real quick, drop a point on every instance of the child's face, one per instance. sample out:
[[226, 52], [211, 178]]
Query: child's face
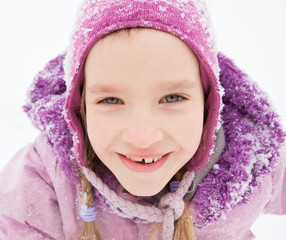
[[144, 99]]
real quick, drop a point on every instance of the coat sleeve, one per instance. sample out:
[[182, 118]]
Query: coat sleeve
[[28, 202], [277, 203]]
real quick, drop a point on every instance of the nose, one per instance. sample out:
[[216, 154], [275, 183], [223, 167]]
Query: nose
[[142, 131]]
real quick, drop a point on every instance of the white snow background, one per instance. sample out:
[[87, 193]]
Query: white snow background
[[252, 32]]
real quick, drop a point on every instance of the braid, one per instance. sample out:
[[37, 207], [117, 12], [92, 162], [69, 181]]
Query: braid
[[184, 228], [89, 230]]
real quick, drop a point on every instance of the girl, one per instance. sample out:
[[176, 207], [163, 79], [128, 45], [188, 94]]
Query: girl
[[144, 125]]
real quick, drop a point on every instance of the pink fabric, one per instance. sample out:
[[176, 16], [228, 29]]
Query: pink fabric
[[36, 202]]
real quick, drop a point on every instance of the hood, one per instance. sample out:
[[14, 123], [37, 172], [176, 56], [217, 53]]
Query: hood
[[186, 19]]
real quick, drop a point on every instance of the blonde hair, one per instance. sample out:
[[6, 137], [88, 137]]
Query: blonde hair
[[184, 229], [89, 230]]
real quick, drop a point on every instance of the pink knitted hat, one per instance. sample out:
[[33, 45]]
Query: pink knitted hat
[[186, 19]]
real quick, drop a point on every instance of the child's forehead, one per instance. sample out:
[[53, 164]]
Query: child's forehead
[[146, 60], [153, 44]]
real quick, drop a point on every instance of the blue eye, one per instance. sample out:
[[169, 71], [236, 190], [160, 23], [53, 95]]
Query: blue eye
[[110, 100], [173, 98]]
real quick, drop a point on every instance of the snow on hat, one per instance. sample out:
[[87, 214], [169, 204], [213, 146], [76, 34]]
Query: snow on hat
[[186, 19]]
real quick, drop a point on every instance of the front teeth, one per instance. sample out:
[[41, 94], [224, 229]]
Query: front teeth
[[146, 160]]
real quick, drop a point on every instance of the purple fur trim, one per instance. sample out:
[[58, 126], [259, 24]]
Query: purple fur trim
[[253, 137], [44, 107]]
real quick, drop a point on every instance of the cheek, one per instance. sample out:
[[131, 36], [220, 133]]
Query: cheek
[[99, 133], [188, 130]]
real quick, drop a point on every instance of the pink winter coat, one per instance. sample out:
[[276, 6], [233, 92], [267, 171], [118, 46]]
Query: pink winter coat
[[39, 201], [239, 165]]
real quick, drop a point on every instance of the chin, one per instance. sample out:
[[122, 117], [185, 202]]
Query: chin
[[144, 191]]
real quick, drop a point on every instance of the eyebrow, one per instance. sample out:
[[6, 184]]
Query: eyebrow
[[163, 86], [100, 88], [175, 85]]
